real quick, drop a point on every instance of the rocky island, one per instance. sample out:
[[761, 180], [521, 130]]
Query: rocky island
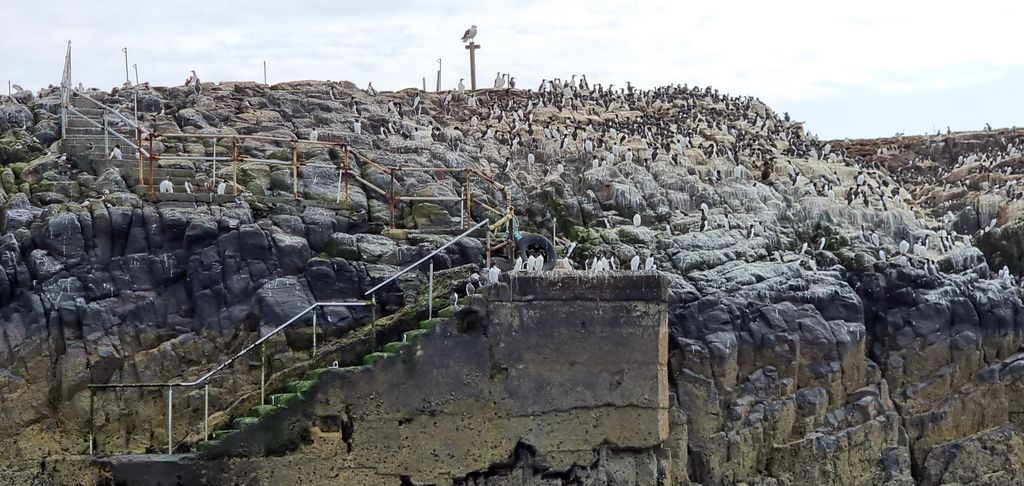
[[817, 312]]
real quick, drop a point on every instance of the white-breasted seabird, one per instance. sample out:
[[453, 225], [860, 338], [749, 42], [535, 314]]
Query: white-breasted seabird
[[492, 274], [470, 34], [453, 301], [636, 219], [904, 246], [649, 263], [634, 263], [314, 135]]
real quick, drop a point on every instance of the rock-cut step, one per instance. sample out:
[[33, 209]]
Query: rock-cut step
[[243, 422], [372, 358]]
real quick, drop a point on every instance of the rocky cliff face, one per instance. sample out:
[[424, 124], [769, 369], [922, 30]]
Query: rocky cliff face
[[808, 345]]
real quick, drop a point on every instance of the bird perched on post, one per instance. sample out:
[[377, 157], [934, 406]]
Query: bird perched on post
[[470, 34]]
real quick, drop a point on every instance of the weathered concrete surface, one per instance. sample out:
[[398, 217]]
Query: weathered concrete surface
[[555, 362]]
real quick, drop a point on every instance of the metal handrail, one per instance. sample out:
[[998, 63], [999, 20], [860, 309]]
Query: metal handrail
[[241, 353], [206, 377], [429, 255], [134, 125], [109, 130], [65, 86], [106, 108]]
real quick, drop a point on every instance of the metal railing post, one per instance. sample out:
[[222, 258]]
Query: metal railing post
[[393, 224], [152, 160], [263, 374], [469, 197], [214, 185], [92, 420], [314, 333], [106, 138], [234, 165], [138, 153], [295, 169], [430, 291], [206, 412], [345, 159], [170, 419]]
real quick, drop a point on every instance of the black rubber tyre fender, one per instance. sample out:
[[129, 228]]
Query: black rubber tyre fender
[[531, 242]]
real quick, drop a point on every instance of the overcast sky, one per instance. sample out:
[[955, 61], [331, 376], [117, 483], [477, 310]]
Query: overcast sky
[[849, 69]]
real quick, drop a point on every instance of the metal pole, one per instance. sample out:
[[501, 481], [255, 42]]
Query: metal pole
[[170, 419], [345, 159], [234, 166], [206, 412], [314, 333], [152, 156], [487, 263], [554, 230], [295, 169], [265, 73], [469, 198], [92, 420], [136, 68], [142, 169], [127, 79], [438, 90], [263, 374], [214, 186], [106, 138], [392, 171], [424, 83], [430, 291]]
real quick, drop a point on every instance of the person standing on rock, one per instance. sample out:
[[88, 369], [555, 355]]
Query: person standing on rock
[[116, 153]]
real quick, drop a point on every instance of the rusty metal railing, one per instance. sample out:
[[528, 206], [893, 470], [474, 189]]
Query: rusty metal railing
[[205, 378], [345, 173]]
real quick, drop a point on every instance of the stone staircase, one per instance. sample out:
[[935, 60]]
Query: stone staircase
[[87, 142], [226, 439]]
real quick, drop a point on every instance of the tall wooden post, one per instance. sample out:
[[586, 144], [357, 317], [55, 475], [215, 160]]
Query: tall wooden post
[[473, 46]]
